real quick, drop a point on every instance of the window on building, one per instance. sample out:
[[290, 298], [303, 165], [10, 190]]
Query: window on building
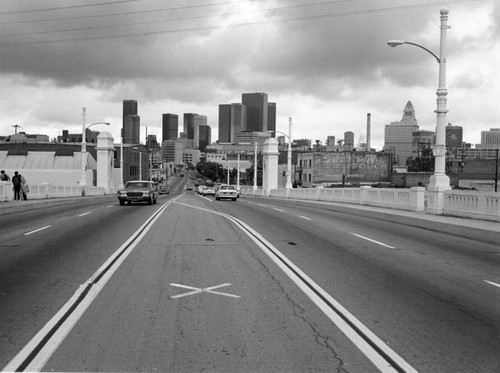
[[310, 165]]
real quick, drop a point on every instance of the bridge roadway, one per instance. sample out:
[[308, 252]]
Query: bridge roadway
[[198, 293]]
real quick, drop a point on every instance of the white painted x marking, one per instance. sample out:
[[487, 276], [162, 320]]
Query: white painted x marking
[[200, 290]]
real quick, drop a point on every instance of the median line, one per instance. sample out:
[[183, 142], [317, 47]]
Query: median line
[[85, 213]]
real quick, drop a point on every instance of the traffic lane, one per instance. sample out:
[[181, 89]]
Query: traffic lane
[[143, 319], [39, 272], [480, 259], [406, 298]]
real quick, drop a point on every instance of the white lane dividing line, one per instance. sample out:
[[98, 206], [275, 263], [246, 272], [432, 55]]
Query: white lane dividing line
[[37, 230], [261, 205], [280, 210], [492, 283], [304, 217], [369, 239], [85, 213]]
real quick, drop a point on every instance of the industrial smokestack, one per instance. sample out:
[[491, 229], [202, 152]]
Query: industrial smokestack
[[368, 131]]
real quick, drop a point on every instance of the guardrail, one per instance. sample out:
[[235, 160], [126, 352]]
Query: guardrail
[[469, 204], [45, 191]]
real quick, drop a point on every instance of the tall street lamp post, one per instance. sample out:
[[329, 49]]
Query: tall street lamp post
[[255, 167], [439, 181], [288, 184], [83, 181]]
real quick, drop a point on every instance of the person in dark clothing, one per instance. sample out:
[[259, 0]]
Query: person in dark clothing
[[4, 176], [16, 182]]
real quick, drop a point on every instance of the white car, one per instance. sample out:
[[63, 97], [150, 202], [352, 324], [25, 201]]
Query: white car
[[227, 192], [209, 191]]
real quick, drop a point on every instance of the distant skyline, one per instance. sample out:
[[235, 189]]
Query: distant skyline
[[326, 64]]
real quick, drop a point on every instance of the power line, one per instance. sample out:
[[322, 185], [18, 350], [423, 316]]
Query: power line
[[170, 20], [120, 13], [13, 12], [245, 24]]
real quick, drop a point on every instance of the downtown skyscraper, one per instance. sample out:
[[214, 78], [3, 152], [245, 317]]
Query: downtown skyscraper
[[170, 127], [131, 129], [253, 114]]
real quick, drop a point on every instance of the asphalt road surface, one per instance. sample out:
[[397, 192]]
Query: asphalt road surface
[[193, 284]]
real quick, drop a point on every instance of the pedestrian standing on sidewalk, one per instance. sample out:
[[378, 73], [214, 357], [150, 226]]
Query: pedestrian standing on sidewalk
[[4, 176], [24, 188], [16, 182]]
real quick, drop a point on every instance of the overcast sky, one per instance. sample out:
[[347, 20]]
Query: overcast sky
[[326, 64]]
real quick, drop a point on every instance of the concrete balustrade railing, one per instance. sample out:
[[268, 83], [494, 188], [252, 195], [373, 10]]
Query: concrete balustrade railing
[[469, 204], [44, 191], [472, 204], [404, 199]]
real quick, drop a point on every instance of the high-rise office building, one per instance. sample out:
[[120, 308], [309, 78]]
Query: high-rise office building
[[170, 127], [131, 126], [257, 111], [199, 120], [491, 137], [205, 137], [271, 117], [232, 120], [132, 129], [225, 123], [254, 114], [190, 121], [398, 137]]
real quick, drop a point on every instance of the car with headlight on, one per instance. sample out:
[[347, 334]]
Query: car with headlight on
[[138, 191], [226, 192]]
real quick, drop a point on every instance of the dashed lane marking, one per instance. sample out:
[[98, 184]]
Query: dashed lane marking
[[37, 230], [280, 210], [369, 239], [492, 283], [304, 217], [85, 213]]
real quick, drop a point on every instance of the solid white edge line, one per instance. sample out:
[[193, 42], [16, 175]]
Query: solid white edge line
[[38, 362], [280, 210], [369, 239], [304, 217], [492, 283], [37, 230], [85, 213], [375, 357]]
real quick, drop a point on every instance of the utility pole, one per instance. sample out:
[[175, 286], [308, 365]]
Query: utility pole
[[16, 126]]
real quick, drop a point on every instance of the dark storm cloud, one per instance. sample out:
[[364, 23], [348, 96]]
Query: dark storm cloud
[[330, 47]]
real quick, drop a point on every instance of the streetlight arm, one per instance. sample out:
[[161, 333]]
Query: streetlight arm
[[284, 134], [93, 124], [395, 43]]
